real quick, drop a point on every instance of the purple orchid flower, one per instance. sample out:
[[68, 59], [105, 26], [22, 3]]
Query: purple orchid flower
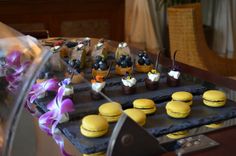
[[38, 90], [48, 122], [13, 61]]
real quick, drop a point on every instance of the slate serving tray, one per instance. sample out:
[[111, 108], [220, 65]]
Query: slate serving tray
[[85, 105], [157, 124]]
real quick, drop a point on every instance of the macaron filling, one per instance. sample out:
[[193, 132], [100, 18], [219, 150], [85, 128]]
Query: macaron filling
[[111, 118], [104, 130], [178, 113], [213, 100]]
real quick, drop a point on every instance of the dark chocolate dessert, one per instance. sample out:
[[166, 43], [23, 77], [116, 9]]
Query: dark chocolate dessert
[[173, 76], [98, 85], [128, 84], [152, 81]]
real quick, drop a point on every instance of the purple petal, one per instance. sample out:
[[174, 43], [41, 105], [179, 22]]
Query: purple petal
[[52, 105], [23, 67], [13, 59], [45, 121], [60, 93], [52, 85], [32, 98], [66, 106], [58, 137]]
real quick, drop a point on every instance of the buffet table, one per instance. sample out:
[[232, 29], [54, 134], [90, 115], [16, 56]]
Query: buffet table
[[193, 80]]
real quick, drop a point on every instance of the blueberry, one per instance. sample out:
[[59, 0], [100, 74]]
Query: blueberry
[[129, 63], [118, 62], [141, 61], [71, 63], [123, 64], [145, 54], [98, 58], [71, 44], [77, 62], [69, 71], [66, 59], [78, 70], [122, 57], [105, 61], [103, 66], [101, 62], [147, 61], [140, 55], [128, 58], [95, 66], [77, 65]]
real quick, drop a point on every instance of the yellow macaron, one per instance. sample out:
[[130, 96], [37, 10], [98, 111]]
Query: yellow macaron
[[94, 126], [146, 105], [214, 98], [137, 115], [215, 125], [183, 97], [178, 135], [96, 154], [111, 111], [177, 109]]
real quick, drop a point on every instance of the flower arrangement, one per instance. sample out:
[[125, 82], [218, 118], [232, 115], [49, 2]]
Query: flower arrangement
[[58, 113], [14, 69]]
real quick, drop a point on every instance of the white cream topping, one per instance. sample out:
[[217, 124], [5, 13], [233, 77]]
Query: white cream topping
[[64, 118], [97, 87], [174, 74], [129, 82], [154, 77], [69, 90]]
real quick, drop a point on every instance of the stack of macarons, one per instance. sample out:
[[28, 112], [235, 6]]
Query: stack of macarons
[[179, 106], [183, 96], [111, 111], [146, 105], [214, 98]]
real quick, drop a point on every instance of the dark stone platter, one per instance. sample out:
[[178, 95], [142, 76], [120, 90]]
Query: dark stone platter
[[157, 124]]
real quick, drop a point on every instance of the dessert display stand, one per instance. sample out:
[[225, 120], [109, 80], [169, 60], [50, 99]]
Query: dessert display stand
[[119, 136]]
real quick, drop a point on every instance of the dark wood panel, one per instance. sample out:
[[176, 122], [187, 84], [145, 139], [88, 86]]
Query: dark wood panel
[[52, 13]]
